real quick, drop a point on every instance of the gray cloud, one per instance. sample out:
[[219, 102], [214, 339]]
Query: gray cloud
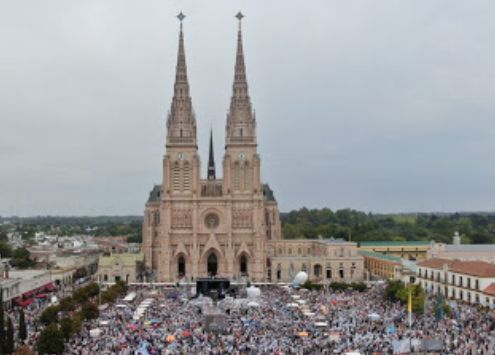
[[380, 106]]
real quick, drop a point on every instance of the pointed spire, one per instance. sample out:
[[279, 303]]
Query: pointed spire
[[240, 96], [240, 118], [181, 122], [211, 159]]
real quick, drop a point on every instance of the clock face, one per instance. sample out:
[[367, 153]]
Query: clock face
[[181, 156], [242, 156]]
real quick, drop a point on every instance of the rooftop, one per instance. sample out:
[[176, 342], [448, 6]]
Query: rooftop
[[380, 256], [490, 290], [394, 243], [473, 268], [471, 248], [126, 259]]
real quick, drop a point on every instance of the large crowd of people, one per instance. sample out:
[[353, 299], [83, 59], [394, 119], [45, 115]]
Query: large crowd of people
[[280, 321]]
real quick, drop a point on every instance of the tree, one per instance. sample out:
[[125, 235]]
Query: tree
[[67, 327], [49, 315], [21, 258], [89, 311], [22, 326], [51, 340], [5, 249], [9, 340]]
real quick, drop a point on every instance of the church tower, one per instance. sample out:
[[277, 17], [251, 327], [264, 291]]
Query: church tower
[[241, 165], [181, 161]]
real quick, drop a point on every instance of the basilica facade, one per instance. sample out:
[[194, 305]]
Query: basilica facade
[[226, 226]]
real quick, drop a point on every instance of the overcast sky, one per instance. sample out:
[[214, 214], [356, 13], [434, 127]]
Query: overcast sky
[[383, 106]]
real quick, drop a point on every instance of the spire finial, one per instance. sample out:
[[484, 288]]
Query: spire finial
[[181, 18], [239, 16]]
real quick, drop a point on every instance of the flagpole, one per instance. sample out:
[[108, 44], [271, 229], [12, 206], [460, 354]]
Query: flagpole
[[409, 307]]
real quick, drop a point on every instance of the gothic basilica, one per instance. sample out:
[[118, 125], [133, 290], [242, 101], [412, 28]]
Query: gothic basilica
[[227, 226]]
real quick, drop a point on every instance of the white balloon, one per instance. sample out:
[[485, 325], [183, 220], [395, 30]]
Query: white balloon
[[300, 278], [253, 292]]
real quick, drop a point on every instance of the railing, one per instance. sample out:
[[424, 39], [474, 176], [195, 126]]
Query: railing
[[211, 189], [242, 139], [180, 140]]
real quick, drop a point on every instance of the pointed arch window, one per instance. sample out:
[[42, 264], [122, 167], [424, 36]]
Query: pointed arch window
[[237, 176], [186, 177], [247, 177], [176, 176]]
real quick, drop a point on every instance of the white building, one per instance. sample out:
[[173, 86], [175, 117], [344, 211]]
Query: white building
[[469, 281]]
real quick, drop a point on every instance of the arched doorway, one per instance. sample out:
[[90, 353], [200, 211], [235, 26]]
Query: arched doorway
[[181, 266], [317, 270], [243, 265], [212, 264]]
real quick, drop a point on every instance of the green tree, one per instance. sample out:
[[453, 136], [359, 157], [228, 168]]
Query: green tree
[[22, 326], [67, 327], [5, 249], [89, 310], [49, 315], [9, 340], [51, 340]]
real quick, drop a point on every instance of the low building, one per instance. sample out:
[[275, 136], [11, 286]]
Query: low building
[[388, 267], [331, 260], [410, 250], [459, 251], [120, 267], [468, 281], [381, 266], [22, 285]]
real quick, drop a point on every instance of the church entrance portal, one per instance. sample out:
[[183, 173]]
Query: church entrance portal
[[212, 264]]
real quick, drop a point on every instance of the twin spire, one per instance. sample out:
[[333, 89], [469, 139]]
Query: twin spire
[[181, 122]]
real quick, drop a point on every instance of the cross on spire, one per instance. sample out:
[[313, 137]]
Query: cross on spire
[[239, 16]]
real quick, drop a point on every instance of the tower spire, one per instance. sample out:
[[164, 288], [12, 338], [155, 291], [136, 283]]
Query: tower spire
[[240, 119], [211, 160], [181, 122]]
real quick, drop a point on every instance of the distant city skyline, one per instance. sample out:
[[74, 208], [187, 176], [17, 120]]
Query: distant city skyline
[[381, 107]]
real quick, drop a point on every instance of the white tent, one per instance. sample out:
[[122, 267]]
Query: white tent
[[321, 324], [130, 297], [95, 332], [374, 316]]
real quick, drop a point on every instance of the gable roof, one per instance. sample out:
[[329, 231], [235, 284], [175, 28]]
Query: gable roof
[[490, 290]]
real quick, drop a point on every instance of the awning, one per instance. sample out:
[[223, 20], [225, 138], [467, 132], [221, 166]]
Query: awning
[[50, 287], [25, 303], [41, 295]]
